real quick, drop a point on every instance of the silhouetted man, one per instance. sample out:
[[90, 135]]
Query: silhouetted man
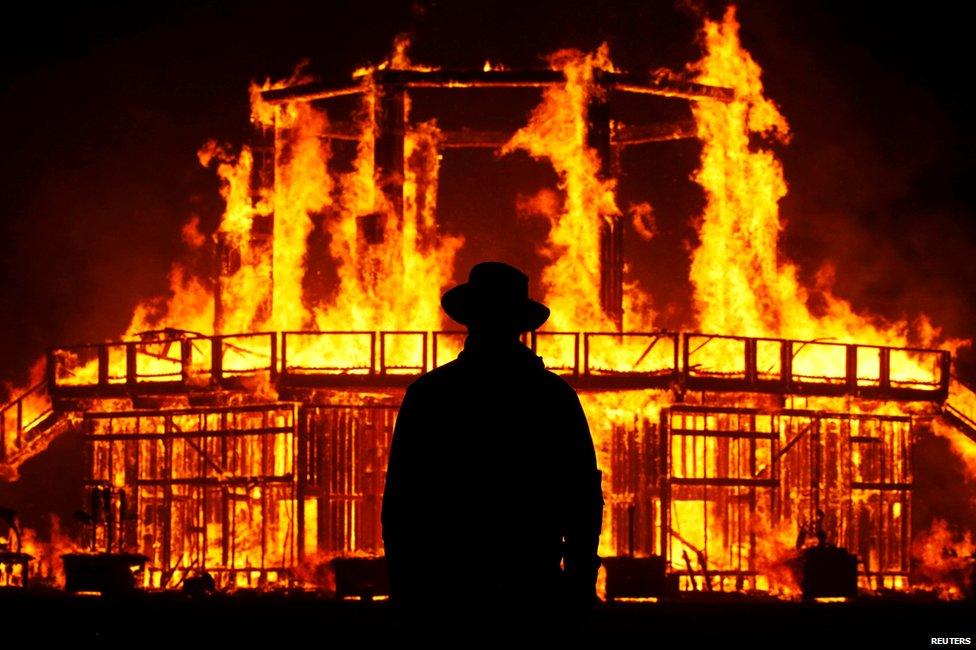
[[493, 504]]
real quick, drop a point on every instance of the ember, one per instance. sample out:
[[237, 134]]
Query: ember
[[242, 432]]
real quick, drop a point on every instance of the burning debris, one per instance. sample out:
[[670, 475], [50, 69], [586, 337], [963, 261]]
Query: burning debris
[[238, 436], [946, 560]]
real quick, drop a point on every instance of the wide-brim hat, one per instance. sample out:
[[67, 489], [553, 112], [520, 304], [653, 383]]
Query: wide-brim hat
[[495, 294]]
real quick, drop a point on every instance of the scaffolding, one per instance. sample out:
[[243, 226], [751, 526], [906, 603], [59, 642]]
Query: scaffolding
[[347, 450], [740, 484], [197, 490]]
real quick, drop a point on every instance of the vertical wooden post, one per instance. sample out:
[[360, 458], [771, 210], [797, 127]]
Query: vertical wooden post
[[686, 353], [885, 368], [103, 366], [586, 354], [576, 354], [131, 371], [676, 342], [216, 360], [390, 115], [786, 365], [598, 138], [423, 368], [167, 475], [612, 268], [274, 356], [752, 373], [851, 368], [186, 359], [301, 474], [284, 354], [664, 479]]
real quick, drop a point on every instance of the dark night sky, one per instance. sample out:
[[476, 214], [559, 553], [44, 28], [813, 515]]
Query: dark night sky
[[104, 111]]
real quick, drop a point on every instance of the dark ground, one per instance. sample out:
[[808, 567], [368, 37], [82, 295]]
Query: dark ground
[[312, 621]]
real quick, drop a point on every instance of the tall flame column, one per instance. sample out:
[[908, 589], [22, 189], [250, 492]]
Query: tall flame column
[[256, 249]]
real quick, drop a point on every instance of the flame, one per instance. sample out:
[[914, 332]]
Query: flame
[[46, 567], [303, 186], [246, 268], [740, 285], [777, 556], [741, 281]]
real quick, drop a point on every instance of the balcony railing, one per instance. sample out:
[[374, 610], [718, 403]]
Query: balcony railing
[[174, 364], [739, 363], [589, 360], [22, 420]]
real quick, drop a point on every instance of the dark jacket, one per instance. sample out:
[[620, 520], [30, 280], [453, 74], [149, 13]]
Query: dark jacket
[[492, 489]]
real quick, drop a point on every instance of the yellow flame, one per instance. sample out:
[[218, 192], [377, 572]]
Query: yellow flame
[[556, 132]]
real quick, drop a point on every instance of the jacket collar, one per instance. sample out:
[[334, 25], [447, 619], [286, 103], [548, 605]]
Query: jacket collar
[[493, 352]]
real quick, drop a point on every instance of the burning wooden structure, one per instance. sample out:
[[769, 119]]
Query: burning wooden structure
[[258, 451]]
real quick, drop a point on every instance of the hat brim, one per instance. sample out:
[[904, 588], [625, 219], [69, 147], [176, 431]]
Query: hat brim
[[462, 306]]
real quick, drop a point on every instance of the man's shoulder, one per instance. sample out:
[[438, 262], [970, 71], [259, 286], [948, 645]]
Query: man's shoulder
[[556, 383], [456, 374], [436, 378]]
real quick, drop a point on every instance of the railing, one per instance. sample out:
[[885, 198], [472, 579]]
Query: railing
[[19, 420], [959, 407], [559, 350], [591, 360], [738, 363], [243, 354], [403, 353], [328, 353], [309, 358], [175, 363], [968, 425], [610, 359], [446, 346], [630, 353]]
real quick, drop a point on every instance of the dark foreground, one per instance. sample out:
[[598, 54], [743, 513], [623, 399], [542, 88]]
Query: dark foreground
[[307, 620]]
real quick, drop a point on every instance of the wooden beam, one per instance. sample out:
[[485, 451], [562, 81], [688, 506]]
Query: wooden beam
[[309, 92], [623, 135], [470, 139], [637, 84], [623, 82], [626, 135], [340, 130], [470, 78]]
